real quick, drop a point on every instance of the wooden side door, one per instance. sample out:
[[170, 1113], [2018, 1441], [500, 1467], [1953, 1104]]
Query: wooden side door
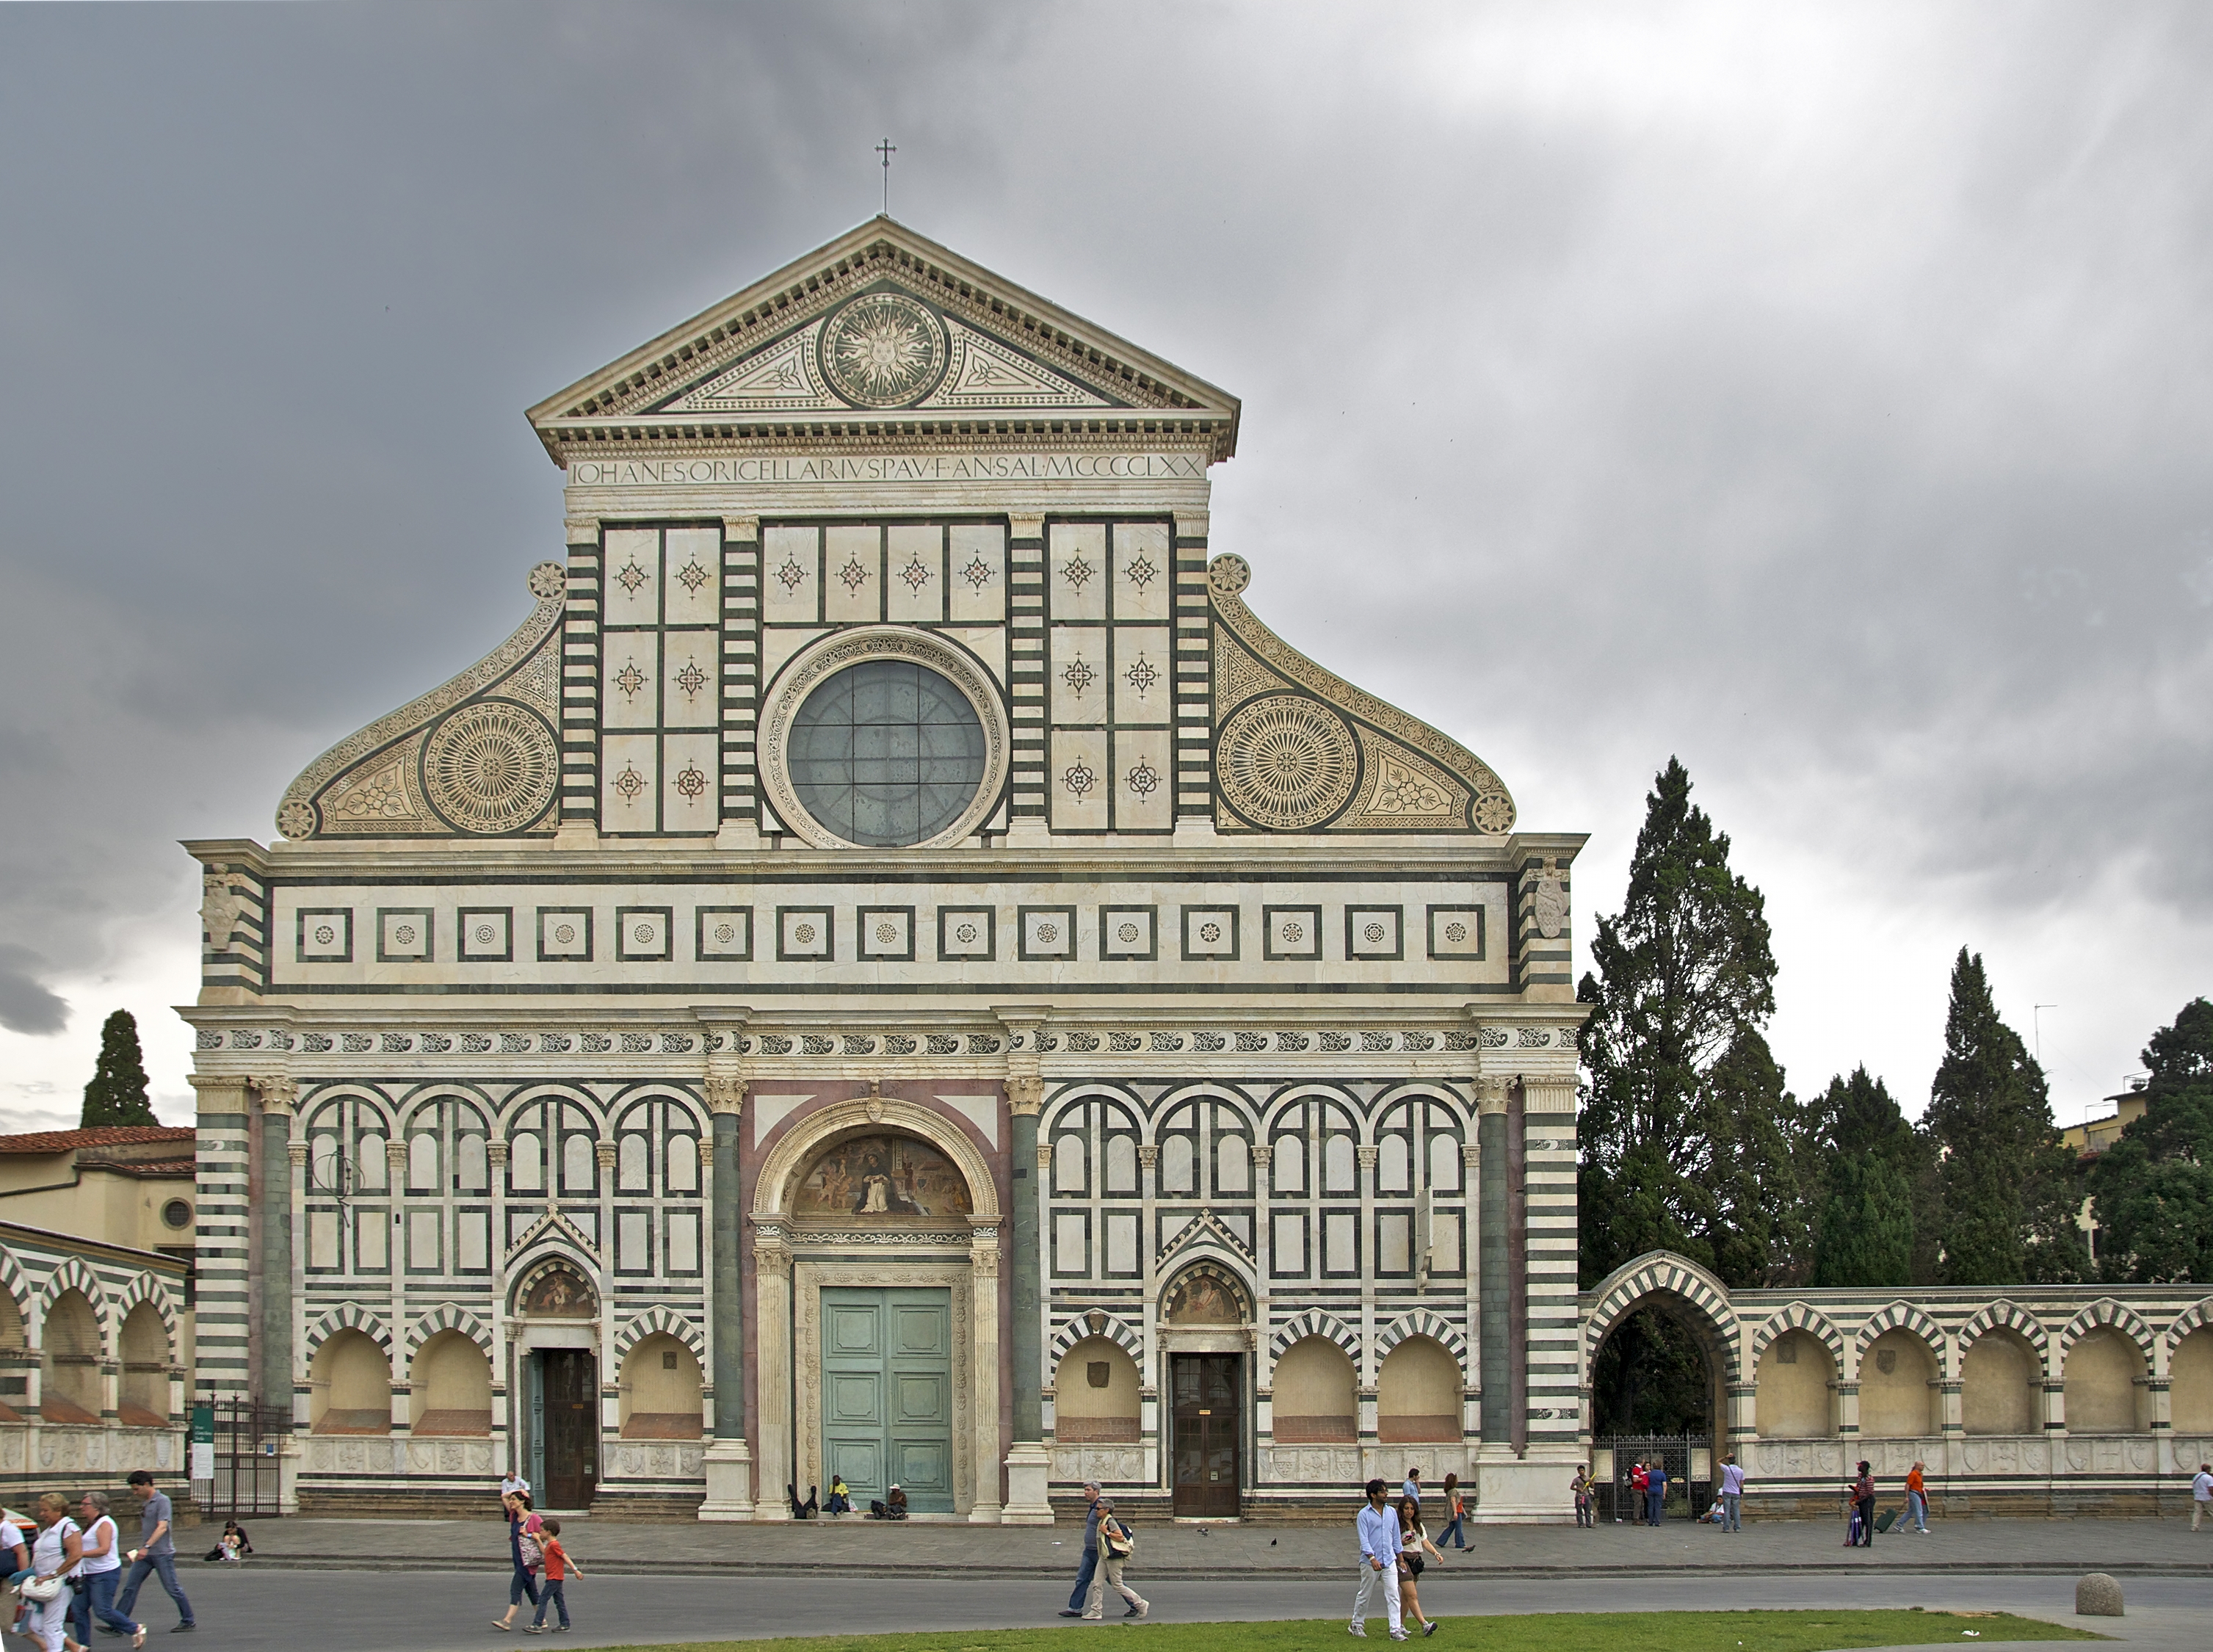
[[569, 1382], [853, 1405], [1207, 1416]]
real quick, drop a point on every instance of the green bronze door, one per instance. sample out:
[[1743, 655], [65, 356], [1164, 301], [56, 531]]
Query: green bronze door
[[888, 1395]]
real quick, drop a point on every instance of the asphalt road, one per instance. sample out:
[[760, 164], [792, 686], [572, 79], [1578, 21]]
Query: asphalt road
[[431, 1611]]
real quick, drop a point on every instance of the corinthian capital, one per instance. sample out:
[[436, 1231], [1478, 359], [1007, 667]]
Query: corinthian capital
[[726, 1094], [278, 1093]]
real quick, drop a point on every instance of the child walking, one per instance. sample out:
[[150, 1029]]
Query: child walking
[[559, 1565]]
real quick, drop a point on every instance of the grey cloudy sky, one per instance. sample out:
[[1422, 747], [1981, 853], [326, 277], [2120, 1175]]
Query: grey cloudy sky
[[1818, 393]]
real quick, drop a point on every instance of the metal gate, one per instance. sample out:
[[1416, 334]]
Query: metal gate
[[244, 1473], [1688, 1459]]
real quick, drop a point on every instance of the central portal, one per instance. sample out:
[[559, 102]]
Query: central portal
[[1208, 1419], [887, 1394]]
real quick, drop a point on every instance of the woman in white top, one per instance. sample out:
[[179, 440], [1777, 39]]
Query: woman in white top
[[59, 1547], [102, 1571]]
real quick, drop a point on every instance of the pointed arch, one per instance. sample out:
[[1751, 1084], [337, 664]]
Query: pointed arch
[[661, 1320], [448, 1316], [2007, 1315], [1314, 1323], [1662, 1274], [349, 1317], [2196, 1314], [145, 1288], [1077, 1328], [1422, 1323], [13, 1281], [2105, 1312], [74, 1275], [1799, 1316], [1902, 1316]]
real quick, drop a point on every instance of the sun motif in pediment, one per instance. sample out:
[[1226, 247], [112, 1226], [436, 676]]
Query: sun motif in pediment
[[884, 349]]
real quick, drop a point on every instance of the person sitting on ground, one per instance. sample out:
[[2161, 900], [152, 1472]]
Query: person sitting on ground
[[841, 1500], [1713, 1515], [895, 1504]]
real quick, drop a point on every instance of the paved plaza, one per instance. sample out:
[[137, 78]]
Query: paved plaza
[[865, 1548], [439, 1608]]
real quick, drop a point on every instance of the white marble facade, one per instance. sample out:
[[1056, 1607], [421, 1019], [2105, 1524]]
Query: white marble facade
[[1221, 998]]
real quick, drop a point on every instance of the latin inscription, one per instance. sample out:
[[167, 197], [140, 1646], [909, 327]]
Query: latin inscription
[[835, 469]]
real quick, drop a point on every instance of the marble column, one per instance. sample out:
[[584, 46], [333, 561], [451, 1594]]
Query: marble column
[[729, 1459], [1027, 1461], [274, 1381], [1490, 1260], [773, 1366], [984, 1357]]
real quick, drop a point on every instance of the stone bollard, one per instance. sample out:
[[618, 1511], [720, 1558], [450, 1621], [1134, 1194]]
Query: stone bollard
[[2097, 1596]]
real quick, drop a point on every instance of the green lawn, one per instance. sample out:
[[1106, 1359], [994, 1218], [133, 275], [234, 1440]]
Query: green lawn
[[1558, 1632]]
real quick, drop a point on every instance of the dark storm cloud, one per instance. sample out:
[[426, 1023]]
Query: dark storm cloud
[[1820, 393], [24, 1006]]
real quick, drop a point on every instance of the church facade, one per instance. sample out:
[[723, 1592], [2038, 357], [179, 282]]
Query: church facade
[[895, 971]]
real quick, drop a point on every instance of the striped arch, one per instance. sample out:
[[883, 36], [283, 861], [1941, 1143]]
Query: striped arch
[[1903, 1316], [1799, 1317], [2008, 1316], [145, 1288], [73, 1275], [1421, 1323], [448, 1316], [1204, 1090], [655, 1321], [1314, 1323], [1353, 1107], [351, 1317], [1075, 1095], [13, 1281], [1662, 1273], [2191, 1319], [2107, 1312], [1078, 1329]]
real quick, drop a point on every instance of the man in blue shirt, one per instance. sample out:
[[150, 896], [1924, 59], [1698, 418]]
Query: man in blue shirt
[[1379, 1562], [1081, 1592], [1655, 1491]]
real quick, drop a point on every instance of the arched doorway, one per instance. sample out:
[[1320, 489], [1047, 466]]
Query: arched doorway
[[1203, 1315], [558, 1367], [1660, 1355], [875, 1248]]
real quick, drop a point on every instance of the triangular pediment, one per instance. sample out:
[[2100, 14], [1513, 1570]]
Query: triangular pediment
[[882, 327]]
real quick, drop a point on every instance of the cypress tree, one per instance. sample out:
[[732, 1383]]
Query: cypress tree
[[2009, 1187], [116, 1093], [1863, 1234], [2153, 1188], [1690, 1139]]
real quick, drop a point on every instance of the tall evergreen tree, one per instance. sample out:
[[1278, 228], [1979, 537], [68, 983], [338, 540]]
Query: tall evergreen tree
[[1690, 1143], [1863, 1232], [2153, 1188], [2008, 1185], [116, 1093]]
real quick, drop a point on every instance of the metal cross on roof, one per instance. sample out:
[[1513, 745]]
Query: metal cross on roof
[[887, 148]]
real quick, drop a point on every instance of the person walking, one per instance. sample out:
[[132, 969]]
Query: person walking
[[559, 1565], [1116, 1545], [1579, 1488], [1655, 1491], [54, 1556], [1732, 1494], [524, 1548], [1456, 1515], [1379, 1563], [156, 1552], [2201, 1495], [1917, 1499], [1412, 1540], [100, 1570], [1089, 1567], [1863, 1503]]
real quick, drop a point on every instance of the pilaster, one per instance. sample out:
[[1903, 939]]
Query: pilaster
[[276, 1376], [580, 688], [222, 1262], [1026, 688], [741, 683], [729, 1456]]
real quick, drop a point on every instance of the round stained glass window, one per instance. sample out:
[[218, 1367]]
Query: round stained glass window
[[885, 753]]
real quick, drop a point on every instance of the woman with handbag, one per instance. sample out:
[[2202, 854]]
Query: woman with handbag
[[1412, 1540], [523, 1548], [54, 1558], [1116, 1545], [1455, 1530]]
